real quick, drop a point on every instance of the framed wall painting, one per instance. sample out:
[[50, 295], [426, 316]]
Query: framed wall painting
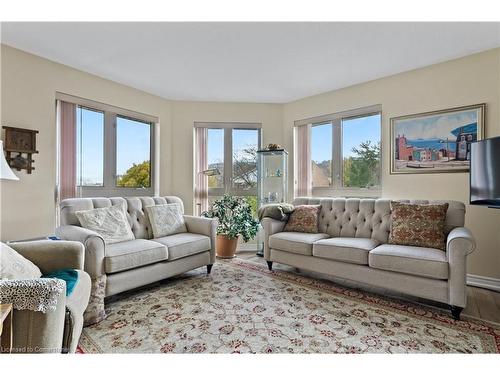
[[436, 142]]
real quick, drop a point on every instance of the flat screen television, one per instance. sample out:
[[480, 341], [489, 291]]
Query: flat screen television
[[485, 172]]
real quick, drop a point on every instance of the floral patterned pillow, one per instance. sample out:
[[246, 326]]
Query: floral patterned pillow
[[418, 225], [304, 218]]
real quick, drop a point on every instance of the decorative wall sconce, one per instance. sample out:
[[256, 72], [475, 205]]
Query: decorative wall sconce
[[19, 146]]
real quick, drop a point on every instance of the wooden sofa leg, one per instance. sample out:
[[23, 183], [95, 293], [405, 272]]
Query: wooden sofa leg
[[456, 311], [269, 265], [209, 268]]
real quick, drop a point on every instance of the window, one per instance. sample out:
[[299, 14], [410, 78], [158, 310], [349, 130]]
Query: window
[[89, 147], [345, 152], [321, 155], [361, 151], [133, 153], [233, 152], [215, 157], [114, 150], [245, 146]]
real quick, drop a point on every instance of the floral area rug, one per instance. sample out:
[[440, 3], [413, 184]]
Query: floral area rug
[[244, 308]]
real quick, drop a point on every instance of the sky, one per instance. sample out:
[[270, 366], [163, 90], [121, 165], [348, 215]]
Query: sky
[[90, 146], [436, 126], [354, 132], [133, 144], [215, 146]]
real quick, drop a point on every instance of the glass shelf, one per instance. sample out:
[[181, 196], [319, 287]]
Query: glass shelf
[[272, 181], [272, 176]]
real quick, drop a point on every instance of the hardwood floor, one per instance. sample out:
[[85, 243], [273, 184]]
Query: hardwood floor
[[481, 303]]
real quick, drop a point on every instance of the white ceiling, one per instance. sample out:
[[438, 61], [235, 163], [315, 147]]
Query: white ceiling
[[248, 62]]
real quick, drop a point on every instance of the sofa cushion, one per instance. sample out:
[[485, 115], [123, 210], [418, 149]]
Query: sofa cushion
[[109, 222], [126, 255], [304, 219], [295, 242], [184, 244], [420, 261], [418, 225], [14, 266], [345, 249], [166, 219]]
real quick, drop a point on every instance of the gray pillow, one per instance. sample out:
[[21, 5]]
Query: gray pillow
[[14, 266], [166, 219], [109, 222]]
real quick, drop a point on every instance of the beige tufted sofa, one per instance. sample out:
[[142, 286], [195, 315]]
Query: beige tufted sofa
[[352, 244], [121, 266]]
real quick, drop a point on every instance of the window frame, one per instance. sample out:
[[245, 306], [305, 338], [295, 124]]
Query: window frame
[[337, 174], [228, 159], [111, 113]]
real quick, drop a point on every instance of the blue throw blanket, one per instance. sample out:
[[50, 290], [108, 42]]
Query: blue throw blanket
[[70, 276]]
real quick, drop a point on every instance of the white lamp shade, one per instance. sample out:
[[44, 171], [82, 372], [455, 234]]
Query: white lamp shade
[[5, 171]]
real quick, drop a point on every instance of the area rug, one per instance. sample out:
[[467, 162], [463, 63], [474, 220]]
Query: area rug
[[244, 308]]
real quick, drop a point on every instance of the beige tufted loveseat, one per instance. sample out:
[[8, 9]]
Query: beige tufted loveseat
[[121, 266], [352, 244]]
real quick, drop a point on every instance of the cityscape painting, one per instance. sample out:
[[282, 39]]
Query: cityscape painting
[[435, 141]]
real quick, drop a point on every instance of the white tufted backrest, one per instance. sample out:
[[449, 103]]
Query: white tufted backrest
[[135, 207], [369, 218]]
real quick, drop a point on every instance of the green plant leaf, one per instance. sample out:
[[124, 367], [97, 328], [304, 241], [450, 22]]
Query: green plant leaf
[[235, 217]]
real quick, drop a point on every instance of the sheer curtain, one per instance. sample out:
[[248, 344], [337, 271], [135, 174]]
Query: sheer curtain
[[201, 164], [303, 169], [67, 149]]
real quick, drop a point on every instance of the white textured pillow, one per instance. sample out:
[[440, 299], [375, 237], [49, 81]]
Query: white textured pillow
[[14, 266], [109, 222], [166, 219]]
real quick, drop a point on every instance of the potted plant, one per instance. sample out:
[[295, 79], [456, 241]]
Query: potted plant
[[235, 221]]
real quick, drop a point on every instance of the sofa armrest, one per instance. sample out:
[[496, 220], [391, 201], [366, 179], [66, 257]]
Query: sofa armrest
[[270, 226], [95, 247], [52, 255], [205, 226], [459, 244], [39, 332]]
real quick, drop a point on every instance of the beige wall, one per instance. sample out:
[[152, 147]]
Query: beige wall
[[184, 114], [28, 87], [29, 83], [470, 80]]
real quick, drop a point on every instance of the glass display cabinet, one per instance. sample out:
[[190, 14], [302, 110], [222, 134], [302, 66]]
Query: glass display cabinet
[[272, 180]]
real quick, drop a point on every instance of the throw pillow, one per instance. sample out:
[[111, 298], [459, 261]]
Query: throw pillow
[[304, 219], [166, 219], [109, 222], [418, 225], [277, 211], [14, 266], [69, 276]]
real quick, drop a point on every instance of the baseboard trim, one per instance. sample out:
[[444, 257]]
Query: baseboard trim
[[484, 282]]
